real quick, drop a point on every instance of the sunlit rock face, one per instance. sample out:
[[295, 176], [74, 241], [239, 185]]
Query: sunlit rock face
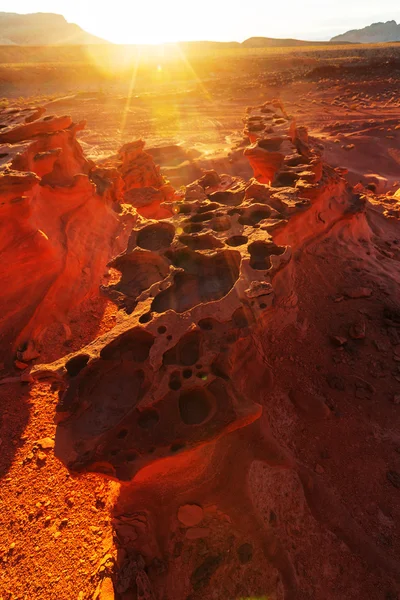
[[60, 220], [186, 401], [196, 289]]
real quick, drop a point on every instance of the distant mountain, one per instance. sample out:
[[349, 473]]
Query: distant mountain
[[264, 42], [42, 29], [375, 33]]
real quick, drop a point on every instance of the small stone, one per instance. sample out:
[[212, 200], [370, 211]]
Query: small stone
[[190, 514], [46, 443], [57, 534], [11, 546], [64, 522], [41, 457], [94, 529], [337, 340], [319, 469], [357, 330], [396, 399]]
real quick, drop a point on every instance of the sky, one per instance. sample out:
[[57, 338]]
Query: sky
[[156, 21]]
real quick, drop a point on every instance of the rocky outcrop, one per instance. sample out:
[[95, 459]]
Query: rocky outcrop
[[372, 34], [177, 401], [196, 288], [59, 220]]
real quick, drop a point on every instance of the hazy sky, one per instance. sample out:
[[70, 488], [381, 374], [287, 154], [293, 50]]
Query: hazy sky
[[152, 21]]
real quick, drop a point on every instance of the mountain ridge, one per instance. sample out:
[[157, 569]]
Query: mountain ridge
[[45, 29], [372, 34]]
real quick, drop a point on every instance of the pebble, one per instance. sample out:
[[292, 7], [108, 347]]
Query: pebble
[[190, 514], [41, 457], [338, 340], [357, 330], [46, 443], [319, 469], [396, 399]]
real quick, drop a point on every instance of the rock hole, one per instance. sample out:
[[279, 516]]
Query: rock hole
[[260, 253], [139, 270], [237, 240], [122, 434], [205, 279], [186, 352], [75, 364], [208, 207], [194, 406], [199, 218], [174, 381], [155, 237], [145, 318], [133, 345], [162, 329], [187, 373], [193, 228], [228, 197], [206, 324], [255, 216], [184, 209], [200, 242]]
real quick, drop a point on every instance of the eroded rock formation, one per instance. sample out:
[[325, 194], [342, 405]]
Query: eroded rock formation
[[61, 220], [176, 401]]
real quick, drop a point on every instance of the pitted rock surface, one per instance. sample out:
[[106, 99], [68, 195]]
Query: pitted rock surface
[[195, 290]]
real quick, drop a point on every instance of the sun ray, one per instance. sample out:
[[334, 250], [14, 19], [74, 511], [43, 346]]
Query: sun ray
[[132, 84]]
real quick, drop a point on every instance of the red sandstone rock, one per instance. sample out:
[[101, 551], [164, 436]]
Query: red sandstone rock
[[168, 402], [49, 193]]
